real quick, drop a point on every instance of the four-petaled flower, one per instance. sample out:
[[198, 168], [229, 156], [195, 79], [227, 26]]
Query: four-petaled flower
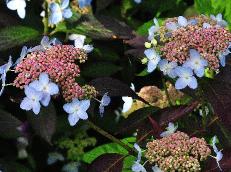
[[196, 63], [79, 42], [168, 67], [31, 101], [185, 79], [137, 1], [105, 101], [219, 20], [18, 5], [59, 12], [47, 87], [84, 3], [152, 30], [169, 130], [137, 167], [153, 59], [76, 110]]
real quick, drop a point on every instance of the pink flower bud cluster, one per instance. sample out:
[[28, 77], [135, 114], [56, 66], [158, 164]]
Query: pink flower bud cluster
[[209, 42], [59, 62], [177, 152]]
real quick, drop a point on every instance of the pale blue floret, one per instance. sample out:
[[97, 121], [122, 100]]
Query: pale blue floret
[[219, 154], [53, 157], [105, 101], [181, 22], [47, 87], [168, 68], [185, 79], [206, 25], [152, 30], [84, 3], [137, 1], [45, 44], [137, 167], [196, 63], [59, 12], [219, 20], [31, 101], [3, 70], [76, 110], [222, 56], [18, 5], [23, 54], [153, 59]]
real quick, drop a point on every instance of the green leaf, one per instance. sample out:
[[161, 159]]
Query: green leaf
[[143, 73], [44, 124], [9, 125], [108, 148], [16, 35], [215, 7], [143, 29], [100, 69]]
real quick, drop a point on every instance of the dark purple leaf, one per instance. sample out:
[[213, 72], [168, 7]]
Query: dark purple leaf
[[120, 29], [137, 44], [9, 125], [110, 162], [114, 87], [135, 119], [218, 93], [155, 127], [44, 124]]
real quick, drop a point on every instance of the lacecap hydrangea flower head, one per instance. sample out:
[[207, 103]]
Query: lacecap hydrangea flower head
[[183, 48], [50, 69]]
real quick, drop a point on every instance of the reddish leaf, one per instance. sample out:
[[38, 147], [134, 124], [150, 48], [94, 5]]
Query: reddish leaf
[[130, 124], [155, 127], [174, 113], [110, 162]]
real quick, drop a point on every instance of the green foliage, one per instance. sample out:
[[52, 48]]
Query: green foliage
[[214, 7], [75, 146], [108, 148], [16, 35]]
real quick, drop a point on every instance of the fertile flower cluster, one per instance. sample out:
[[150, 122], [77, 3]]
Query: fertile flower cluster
[[183, 48], [59, 63], [177, 152]]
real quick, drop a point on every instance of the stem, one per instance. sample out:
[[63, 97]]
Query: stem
[[166, 92], [45, 19], [110, 137]]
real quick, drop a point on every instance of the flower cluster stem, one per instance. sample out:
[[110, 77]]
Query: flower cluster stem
[[110, 137], [166, 92]]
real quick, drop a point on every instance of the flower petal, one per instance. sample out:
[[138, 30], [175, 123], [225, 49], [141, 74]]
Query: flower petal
[[67, 13], [82, 114], [84, 105], [26, 104], [45, 99], [36, 107], [88, 48], [64, 4], [21, 12], [181, 83], [128, 101], [68, 107], [73, 119], [182, 21], [193, 83], [53, 88], [171, 26]]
